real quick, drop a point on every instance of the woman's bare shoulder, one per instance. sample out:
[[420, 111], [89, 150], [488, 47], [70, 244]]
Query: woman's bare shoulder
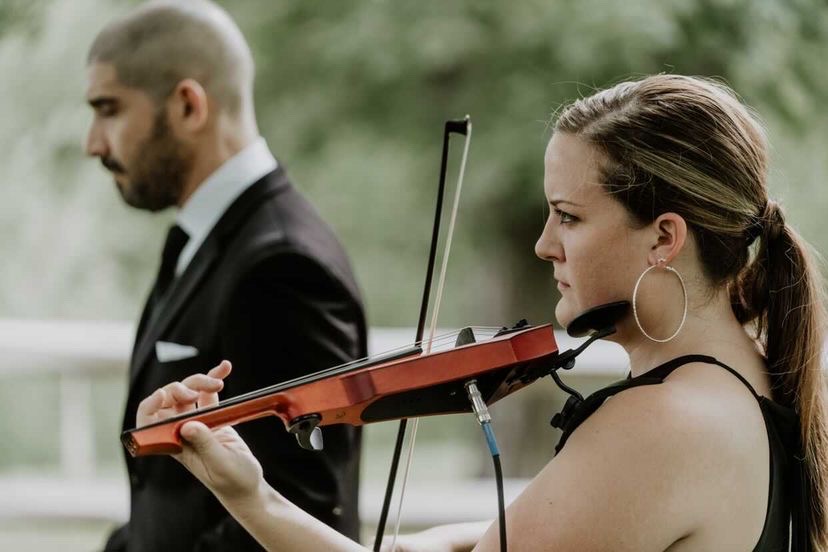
[[700, 414], [652, 466]]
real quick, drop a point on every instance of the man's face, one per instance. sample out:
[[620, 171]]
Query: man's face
[[130, 134]]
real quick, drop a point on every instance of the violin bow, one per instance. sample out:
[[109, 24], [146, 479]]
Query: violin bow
[[462, 127]]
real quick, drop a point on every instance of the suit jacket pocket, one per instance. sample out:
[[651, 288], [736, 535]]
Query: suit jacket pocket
[[168, 351]]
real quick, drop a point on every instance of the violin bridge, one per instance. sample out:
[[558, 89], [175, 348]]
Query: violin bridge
[[465, 337]]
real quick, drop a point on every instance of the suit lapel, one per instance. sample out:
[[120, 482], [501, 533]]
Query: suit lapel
[[180, 292], [142, 325], [204, 260]]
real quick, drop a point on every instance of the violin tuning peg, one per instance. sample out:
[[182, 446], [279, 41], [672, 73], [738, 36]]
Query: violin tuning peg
[[312, 440], [307, 433], [521, 324]]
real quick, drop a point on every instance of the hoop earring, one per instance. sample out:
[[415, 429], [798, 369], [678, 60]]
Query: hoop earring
[[635, 309]]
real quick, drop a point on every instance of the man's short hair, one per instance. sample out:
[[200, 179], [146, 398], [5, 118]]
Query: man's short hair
[[163, 42]]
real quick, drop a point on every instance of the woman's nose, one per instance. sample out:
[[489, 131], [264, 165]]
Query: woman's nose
[[548, 247]]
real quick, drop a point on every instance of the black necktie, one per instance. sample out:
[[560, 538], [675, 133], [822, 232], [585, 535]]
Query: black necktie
[[176, 240]]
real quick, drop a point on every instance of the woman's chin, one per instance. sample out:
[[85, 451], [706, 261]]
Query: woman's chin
[[564, 313]]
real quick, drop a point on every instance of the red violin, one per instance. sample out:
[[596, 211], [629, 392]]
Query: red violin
[[405, 384]]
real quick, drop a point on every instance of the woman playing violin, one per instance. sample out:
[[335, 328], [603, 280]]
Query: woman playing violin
[[657, 195]]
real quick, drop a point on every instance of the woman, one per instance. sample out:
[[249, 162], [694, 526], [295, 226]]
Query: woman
[[657, 191]]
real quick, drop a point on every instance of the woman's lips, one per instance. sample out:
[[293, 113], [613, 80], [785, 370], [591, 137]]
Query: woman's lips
[[562, 286]]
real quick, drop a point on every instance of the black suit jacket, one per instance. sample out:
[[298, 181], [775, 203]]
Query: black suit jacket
[[271, 290]]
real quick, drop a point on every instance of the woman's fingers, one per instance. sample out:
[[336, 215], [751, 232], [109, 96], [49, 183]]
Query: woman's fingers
[[178, 394], [202, 440], [149, 407], [166, 401], [177, 397], [222, 370], [208, 385], [203, 383]]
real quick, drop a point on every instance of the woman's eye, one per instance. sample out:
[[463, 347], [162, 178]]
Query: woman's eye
[[565, 217]]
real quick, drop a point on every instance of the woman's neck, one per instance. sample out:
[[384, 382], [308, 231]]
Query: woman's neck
[[711, 328]]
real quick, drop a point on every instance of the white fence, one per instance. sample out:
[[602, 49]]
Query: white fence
[[78, 353]]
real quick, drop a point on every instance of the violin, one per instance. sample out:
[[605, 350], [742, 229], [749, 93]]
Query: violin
[[403, 384]]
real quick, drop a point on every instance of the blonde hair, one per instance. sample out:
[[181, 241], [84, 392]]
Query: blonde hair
[[688, 145]]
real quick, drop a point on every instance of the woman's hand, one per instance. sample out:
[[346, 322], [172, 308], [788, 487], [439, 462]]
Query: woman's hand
[[219, 458]]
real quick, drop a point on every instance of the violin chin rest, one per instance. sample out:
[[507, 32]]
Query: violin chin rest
[[308, 435], [598, 318]]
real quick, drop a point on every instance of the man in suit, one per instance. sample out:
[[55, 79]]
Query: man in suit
[[249, 272]]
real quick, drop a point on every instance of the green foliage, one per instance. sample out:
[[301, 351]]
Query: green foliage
[[71, 248], [352, 96], [19, 14]]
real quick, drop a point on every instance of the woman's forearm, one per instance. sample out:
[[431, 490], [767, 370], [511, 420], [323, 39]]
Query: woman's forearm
[[461, 536], [277, 524]]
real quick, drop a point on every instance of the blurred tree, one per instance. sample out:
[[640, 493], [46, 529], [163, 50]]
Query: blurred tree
[[71, 248], [16, 14], [352, 95]]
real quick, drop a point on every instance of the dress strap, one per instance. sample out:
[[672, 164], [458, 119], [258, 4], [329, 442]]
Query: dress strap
[[576, 411], [664, 370]]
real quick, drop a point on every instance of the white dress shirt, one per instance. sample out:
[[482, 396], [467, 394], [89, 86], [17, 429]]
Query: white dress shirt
[[211, 199]]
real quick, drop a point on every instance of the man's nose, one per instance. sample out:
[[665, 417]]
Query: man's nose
[[95, 145]]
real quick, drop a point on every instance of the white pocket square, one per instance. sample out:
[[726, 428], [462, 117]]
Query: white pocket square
[[167, 351]]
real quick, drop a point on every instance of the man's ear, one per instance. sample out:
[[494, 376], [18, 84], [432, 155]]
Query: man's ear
[[670, 237], [187, 107]]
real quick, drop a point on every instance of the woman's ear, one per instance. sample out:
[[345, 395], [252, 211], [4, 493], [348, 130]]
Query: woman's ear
[[671, 234]]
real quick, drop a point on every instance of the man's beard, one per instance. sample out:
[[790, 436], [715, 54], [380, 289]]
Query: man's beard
[[160, 168]]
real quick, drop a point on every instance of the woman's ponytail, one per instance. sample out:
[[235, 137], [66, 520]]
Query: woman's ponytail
[[784, 293]]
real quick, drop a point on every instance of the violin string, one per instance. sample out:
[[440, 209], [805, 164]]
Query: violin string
[[445, 340], [442, 340], [441, 283]]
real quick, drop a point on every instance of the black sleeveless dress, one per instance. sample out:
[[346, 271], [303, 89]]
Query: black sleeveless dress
[[786, 518]]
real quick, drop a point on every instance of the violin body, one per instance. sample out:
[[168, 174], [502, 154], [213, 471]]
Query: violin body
[[410, 384]]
